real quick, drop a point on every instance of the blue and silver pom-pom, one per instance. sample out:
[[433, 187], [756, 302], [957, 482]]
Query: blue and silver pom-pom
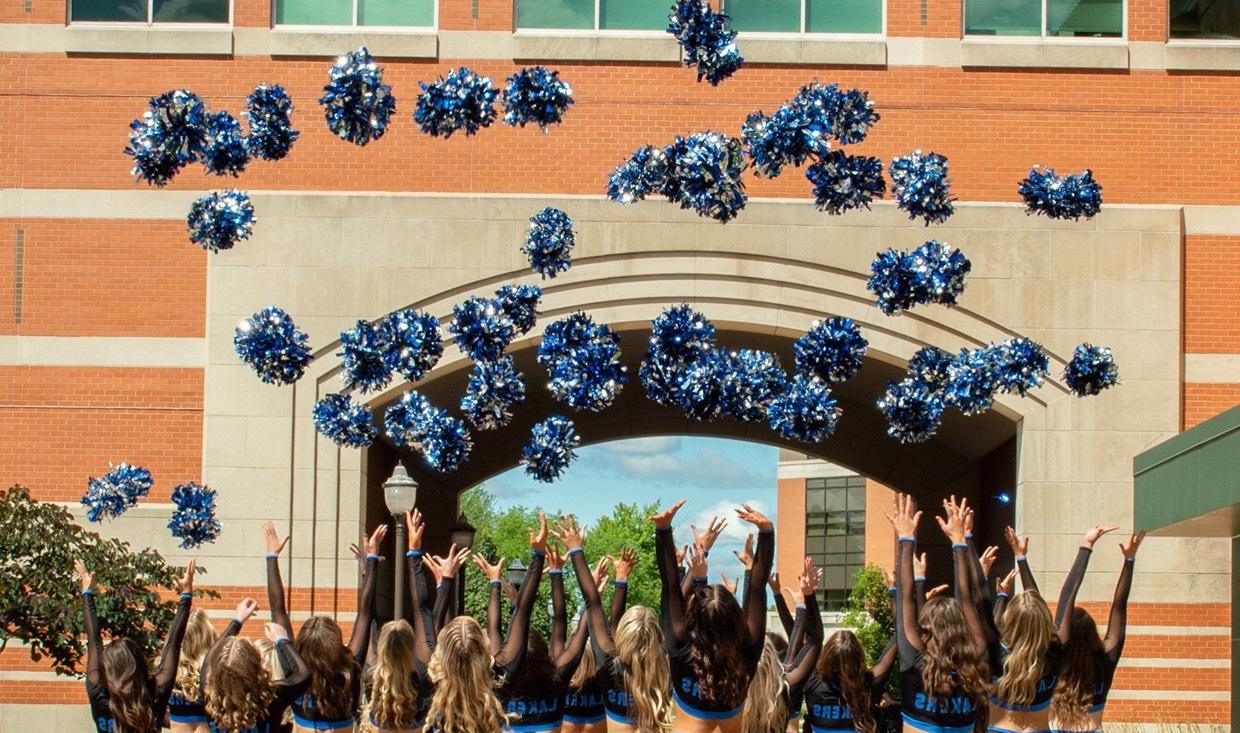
[[520, 302], [1019, 365], [494, 388], [224, 153], [843, 182], [754, 380], [892, 281], [536, 96], [481, 328], [412, 341], [805, 411], [445, 442], [921, 186], [931, 366], [768, 142], [344, 421], [462, 100], [971, 381], [1061, 197], [700, 386], [552, 447], [193, 521], [914, 411], [939, 272], [707, 38], [833, 350], [273, 346], [267, 111], [549, 245], [357, 104], [707, 175], [363, 358], [405, 419], [113, 493], [583, 360], [1091, 370], [562, 336], [679, 336], [219, 220], [170, 135], [645, 172], [852, 116]]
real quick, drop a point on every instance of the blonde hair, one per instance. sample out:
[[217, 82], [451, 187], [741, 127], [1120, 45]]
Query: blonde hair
[[461, 669], [199, 638], [238, 687], [645, 674], [393, 700], [271, 659], [1027, 632], [765, 709], [587, 668]]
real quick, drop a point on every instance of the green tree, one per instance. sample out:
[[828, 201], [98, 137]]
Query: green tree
[[869, 611], [39, 589]]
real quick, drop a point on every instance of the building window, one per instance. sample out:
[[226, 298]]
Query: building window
[[593, 15], [149, 11], [806, 16], [835, 534], [1047, 18], [1205, 19], [344, 13]]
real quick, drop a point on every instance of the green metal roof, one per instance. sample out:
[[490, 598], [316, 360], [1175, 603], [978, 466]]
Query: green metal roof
[[1189, 485]]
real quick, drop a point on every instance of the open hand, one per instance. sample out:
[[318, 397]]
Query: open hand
[[1134, 543], [1019, 545], [555, 558], [746, 557], [936, 590], [375, 542], [1099, 529], [275, 545], [417, 527], [987, 559], [810, 578], [86, 577], [697, 562], [663, 519], [274, 632], [773, 582], [905, 517], [706, 539], [246, 608], [538, 540], [1007, 582], [569, 533], [729, 584], [919, 567], [755, 517], [435, 566], [185, 584], [450, 564], [491, 572], [625, 563], [953, 524]]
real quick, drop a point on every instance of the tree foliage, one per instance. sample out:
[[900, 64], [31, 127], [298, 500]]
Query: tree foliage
[[39, 588], [869, 611]]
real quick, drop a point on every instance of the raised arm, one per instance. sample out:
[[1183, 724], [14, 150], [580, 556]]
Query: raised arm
[[919, 583], [908, 635], [600, 632], [623, 564], [360, 639], [1003, 594], [807, 656], [423, 622], [1020, 548], [559, 616], [245, 609], [786, 619], [755, 596], [1118, 620], [1072, 583], [495, 637], [297, 676], [953, 527], [94, 643], [671, 597], [275, 584], [513, 651], [166, 672], [445, 603]]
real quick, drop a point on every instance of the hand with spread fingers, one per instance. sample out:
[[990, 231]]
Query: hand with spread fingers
[[663, 520]]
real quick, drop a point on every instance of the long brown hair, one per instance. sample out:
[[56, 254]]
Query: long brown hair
[[644, 671], [952, 663], [1027, 633], [537, 671], [1078, 674], [238, 686], [393, 701], [718, 639], [464, 699], [199, 638], [843, 663], [332, 667], [128, 681]]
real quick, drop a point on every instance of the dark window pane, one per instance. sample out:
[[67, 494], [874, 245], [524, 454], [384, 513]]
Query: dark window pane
[[834, 577], [844, 16], [555, 14], [835, 544], [765, 15], [815, 501], [1085, 18], [1205, 19], [109, 10], [815, 483], [856, 497], [816, 544], [837, 500], [191, 11], [1003, 17]]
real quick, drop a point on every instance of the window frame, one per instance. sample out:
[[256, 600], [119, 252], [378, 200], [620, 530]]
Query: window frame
[[820, 521], [741, 35], [1122, 38], [814, 35], [150, 23], [595, 31], [355, 28], [1196, 42]]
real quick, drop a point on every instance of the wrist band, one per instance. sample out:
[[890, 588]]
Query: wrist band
[[1001, 594], [282, 640], [273, 556], [919, 580], [496, 583], [801, 607], [88, 592], [1130, 559], [767, 531], [413, 553], [372, 556], [555, 571], [240, 622], [968, 535], [699, 580], [662, 529], [1021, 558], [620, 581], [574, 551], [907, 539], [187, 597], [959, 546], [538, 553], [891, 590]]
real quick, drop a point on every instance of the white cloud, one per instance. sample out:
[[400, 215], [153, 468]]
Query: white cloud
[[651, 445]]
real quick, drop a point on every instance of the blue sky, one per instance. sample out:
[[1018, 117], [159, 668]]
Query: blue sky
[[715, 475]]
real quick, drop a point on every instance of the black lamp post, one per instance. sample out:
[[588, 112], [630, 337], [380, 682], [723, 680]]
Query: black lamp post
[[516, 574], [400, 493]]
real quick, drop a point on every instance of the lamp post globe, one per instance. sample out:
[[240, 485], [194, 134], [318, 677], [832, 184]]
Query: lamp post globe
[[400, 493]]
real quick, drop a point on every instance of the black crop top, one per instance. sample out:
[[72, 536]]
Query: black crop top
[[294, 684], [161, 683]]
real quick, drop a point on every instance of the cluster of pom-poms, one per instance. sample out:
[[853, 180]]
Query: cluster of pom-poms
[[536, 96], [193, 521], [463, 100], [483, 327], [707, 38], [113, 493], [1091, 370], [703, 172], [1061, 197], [406, 342], [932, 273], [273, 346], [494, 388], [357, 104], [832, 350], [921, 186], [443, 440], [344, 421], [219, 220], [551, 448], [803, 127], [583, 360], [268, 111], [843, 182], [549, 245], [679, 337]]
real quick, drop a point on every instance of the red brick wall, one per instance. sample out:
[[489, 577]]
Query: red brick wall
[[1211, 291], [1204, 401]]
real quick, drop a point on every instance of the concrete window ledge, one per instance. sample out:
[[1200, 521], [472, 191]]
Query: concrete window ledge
[[1203, 56], [802, 50], [1044, 54], [160, 40], [411, 45], [534, 46]]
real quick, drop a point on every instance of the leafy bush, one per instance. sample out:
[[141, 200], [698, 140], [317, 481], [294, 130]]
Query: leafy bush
[[869, 611]]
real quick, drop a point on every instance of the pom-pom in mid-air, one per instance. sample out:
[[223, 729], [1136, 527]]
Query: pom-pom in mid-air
[[932, 273], [1091, 370], [583, 360], [113, 493], [754, 380], [1061, 197], [344, 421], [1019, 365], [224, 153], [552, 447], [363, 358], [921, 186], [971, 381], [805, 411], [549, 245], [494, 388], [268, 110], [404, 418], [679, 337], [707, 38], [520, 302], [413, 343], [832, 350], [931, 366], [444, 441], [193, 521], [707, 175], [843, 182], [462, 100], [699, 385], [482, 328], [536, 96], [645, 172], [803, 127], [273, 346], [914, 410], [170, 135], [219, 220], [357, 104]]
